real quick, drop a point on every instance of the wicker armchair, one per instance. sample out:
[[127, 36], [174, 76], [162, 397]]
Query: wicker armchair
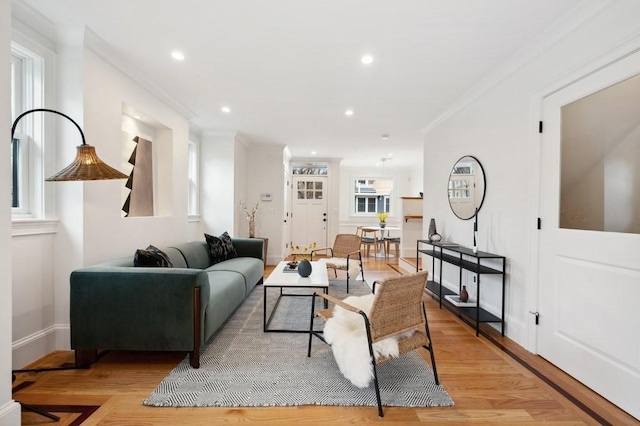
[[396, 309], [345, 247]]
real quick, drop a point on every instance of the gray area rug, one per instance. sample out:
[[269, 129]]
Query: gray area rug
[[241, 366]]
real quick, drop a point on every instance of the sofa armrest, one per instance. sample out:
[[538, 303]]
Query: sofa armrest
[[249, 247], [136, 308]]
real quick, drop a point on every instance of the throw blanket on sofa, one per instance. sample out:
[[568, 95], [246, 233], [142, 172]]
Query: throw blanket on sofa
[[346, 333]]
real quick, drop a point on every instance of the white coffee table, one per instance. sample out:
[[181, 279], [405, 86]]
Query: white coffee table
[[280, 279]]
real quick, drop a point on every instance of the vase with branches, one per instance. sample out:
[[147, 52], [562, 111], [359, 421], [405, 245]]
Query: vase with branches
[[251, 217]]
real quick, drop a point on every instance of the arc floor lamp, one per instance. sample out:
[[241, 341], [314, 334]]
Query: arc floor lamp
[[86, 166]]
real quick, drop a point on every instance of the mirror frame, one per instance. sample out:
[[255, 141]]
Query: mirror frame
[[484, 190]]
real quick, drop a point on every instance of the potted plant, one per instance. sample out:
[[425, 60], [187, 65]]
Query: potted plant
[[251, 217], [382, 217]]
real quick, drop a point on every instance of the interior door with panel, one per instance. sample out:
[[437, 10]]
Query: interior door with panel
[[589, 242], [308, 212]]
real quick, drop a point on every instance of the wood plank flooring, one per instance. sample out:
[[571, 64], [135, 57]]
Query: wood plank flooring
[[491, 379]]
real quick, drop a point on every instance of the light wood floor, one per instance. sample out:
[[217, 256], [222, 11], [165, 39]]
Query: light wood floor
[[489, 387]]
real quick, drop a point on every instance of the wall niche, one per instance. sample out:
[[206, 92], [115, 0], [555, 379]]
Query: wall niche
[[146, 157]]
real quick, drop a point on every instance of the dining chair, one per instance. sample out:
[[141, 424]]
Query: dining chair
[[368, 239], [388, 240]]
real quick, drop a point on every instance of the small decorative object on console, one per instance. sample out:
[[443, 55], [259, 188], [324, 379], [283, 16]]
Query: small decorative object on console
[[464, 294], [251, 217], [432, 233]]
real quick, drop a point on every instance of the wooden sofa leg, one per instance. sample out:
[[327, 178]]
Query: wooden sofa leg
[[194, 358], [86, 357], [194, 355]]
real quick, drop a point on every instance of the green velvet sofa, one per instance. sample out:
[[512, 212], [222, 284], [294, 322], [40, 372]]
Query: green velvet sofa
[[116, 306]]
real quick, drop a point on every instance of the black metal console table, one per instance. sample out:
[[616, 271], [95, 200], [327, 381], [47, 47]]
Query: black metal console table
[[465, 259]]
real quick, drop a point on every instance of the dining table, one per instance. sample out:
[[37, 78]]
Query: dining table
[[381, 230]]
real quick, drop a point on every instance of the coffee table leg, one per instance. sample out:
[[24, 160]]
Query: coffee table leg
[[264, 310], [326, 302]]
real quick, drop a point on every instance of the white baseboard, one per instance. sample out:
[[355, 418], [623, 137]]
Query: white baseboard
[[10, 414], [35, 346]]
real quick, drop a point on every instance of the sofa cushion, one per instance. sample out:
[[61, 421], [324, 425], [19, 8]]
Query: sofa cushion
[[226, 293], [250, 268], [151, 257], [195, 253]]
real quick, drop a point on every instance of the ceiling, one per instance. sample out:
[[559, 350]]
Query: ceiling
[[289, 69]]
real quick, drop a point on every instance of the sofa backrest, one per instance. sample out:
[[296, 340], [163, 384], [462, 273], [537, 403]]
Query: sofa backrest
[[195, 253], [176, 257]]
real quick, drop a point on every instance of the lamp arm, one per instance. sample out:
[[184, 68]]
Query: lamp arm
[[15, 123]]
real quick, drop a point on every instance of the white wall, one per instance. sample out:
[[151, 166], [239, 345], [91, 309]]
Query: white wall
[[498, 125], [217, 169], [106, 233], [265, 175], [91, 228], [9, 410]]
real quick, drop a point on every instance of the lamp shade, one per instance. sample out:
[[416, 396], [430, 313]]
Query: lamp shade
[[86, 166]]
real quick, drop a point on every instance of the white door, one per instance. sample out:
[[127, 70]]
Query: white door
[[589, 280], [308, 212]]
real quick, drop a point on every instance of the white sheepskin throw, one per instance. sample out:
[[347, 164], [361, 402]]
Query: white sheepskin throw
[[354, 268], [346, 333]]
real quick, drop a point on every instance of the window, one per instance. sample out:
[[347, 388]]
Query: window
[[193, 178], [26, 93], [372, 195]]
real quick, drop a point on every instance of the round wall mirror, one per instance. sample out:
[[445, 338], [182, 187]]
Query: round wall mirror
[[466, 187]]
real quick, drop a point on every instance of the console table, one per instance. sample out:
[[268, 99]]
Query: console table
[[465, 259]]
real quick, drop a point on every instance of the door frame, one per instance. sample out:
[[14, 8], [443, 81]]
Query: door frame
[[292, 198], [611, 57]]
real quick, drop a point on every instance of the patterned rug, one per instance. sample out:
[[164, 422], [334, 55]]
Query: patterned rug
[[241, 366]]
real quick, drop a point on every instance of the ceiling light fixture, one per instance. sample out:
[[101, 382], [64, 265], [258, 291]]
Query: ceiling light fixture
[[348, 112], [313, 153], [177, 55], [384, 137], [225, 109], [366, 59]]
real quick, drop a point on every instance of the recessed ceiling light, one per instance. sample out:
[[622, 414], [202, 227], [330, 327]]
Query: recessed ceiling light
[[391, 154], [225, 109], [384, 137], [366, 59], [348, 112], [313, 153], [178, 56]]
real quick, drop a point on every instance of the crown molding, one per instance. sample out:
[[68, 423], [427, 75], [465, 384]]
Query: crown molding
[[571, 20], [101, 48]]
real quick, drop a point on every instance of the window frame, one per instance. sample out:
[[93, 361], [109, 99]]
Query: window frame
[[36, 132], [356, 195], [193, 179]]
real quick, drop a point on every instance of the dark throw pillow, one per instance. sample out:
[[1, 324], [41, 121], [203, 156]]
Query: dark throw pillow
[[151, 257], [228, 245], [220, 248]]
